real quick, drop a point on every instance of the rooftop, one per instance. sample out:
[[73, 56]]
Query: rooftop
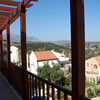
[[44, 55], [97, 59]]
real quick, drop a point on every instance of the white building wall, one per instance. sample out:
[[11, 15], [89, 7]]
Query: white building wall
[[33, 63], [50, 62], [14, 54], [99, 73], [27, 62], [60, 56]]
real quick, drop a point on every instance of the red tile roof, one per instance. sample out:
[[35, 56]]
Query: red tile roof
[[44, 55], [97, 59]]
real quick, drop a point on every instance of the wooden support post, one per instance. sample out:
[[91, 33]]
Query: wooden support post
[[78, 49], [1, 52], [23, 48], [8, 52]]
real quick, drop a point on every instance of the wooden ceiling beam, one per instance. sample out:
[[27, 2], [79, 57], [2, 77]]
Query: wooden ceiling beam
[[5, 13], [26, 2], [13, 3], [7, 9], [3, 27], [9, 2], [0, 24], [15, 12], [3, 16], [2, 21]]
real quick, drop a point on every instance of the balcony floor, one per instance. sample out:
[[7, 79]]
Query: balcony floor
[[6, 91]]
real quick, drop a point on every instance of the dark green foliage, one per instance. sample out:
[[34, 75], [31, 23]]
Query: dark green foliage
[[56, 74], [44, 46], [39, 46], [53, 74], [44, 71], [91, 48], [90, 93]]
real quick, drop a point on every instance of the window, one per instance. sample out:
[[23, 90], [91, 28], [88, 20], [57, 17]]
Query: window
[[87, 64], [95, 66]]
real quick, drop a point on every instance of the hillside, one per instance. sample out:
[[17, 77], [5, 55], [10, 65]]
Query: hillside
[[37, 46], [91, 48]]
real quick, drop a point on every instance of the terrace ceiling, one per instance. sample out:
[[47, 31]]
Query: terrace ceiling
[[10, 10]]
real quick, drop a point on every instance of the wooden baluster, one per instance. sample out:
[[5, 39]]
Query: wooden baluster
[[65, 96], [58, 94], [43, 84], [30, 88], [27, 75], [33, 87], [53, 93], [47, 92], [39, 90], [36, 88]]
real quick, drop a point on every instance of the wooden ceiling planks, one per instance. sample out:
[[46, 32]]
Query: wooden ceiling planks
[[10, 14], [10, 9], [5, 13], [11, 3], [26, 2]]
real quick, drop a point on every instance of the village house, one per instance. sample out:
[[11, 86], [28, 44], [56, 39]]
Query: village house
[[39, 58], [92, 68], [64, 61], [14, 54]]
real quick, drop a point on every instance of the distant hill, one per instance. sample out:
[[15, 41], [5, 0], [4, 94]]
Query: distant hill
[[38, 46], [61, 42], [29, 38], [16, 38], [91, 48]]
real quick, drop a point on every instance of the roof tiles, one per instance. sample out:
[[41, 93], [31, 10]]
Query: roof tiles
[[44, 55]]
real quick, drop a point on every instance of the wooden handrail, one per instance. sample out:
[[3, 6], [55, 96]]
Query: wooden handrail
[[36, 84], [85, 98], [50, 83]]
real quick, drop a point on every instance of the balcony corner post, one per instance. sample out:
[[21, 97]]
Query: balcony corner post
[[24, 49], [8, 53], [1, 51], [78, 49]]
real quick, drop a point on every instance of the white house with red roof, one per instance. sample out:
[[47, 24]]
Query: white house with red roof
[[14, 54], [92, 68], [39, 58]]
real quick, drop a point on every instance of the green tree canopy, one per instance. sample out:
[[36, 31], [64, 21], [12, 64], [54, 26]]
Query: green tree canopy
[[44, 71], [56, 74], [52, 74]]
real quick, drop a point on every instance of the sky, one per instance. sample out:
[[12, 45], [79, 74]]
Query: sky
[[49, 20]]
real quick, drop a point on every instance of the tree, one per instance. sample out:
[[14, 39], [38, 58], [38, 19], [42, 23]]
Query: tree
[[52, 74], [68, 79], [44, 71], [56, 74]]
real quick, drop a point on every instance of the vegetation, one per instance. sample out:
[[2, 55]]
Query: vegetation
[[38, 46], [53, 74], [89, 85], [91, 48], [44, 71], [90, 93]]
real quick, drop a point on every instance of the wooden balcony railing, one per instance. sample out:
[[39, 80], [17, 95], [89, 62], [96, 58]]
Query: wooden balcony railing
[[37, 87], [41, 88], [85, 98]]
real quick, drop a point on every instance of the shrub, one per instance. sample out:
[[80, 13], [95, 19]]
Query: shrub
[[90, 93], [98, 90]]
